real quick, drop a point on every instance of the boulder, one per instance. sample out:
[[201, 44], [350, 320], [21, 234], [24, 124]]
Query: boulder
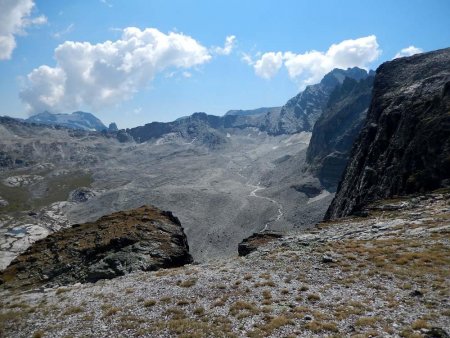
[[81, 195], [256, 240], [144, 239]]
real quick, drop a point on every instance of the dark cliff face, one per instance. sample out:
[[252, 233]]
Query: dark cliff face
[[337, 128], [140, 239], [404, 147]]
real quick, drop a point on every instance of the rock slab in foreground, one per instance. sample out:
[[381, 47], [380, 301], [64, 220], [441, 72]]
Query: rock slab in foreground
[[256, 240], [145, 238]]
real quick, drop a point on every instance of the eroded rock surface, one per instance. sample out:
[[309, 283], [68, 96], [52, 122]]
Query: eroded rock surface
[[256, 240], [140, 239], [404, 146], [21, 180]]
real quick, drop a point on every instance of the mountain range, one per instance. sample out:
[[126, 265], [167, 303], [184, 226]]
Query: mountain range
[[336, 202]]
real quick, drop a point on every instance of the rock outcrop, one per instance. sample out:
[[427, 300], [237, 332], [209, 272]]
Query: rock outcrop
[[336, 130], [404, 146], [252, 243], [140, 239]]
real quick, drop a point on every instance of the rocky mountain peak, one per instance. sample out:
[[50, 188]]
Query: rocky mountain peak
[[337, 76]]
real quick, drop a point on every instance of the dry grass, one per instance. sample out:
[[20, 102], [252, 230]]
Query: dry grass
[[243, 309], [420, 324], [188, 283], [149, 303], [366, 321], [313, 297], [316, 326], [73, 310]]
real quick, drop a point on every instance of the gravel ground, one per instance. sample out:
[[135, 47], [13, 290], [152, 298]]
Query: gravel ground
[[384, 275]]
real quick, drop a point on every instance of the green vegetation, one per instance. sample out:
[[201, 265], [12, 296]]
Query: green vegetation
[[54, 189]]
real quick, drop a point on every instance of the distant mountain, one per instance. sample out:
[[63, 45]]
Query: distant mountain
[[404, 146], [337, 128], [76, 120], [298, 114], [257, 111]]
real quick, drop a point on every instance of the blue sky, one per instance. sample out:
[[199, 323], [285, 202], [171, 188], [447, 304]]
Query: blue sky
[[267, 60]]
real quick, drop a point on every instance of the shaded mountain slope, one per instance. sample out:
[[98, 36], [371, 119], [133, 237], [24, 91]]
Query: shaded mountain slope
[[337, 128], [404, 146]]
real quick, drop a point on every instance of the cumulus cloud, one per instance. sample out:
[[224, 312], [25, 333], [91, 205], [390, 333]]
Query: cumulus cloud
[[408, 51], [230, 42], [103, 74], [15, 17], [309, 67], [268, 65]]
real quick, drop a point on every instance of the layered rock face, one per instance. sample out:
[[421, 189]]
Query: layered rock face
[[140, 239], [404, 146], [337, 128], [302, 111]]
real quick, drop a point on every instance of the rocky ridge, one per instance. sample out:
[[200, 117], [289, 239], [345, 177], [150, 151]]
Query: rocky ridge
[[298, 115], [140, 239], [337, 128], [385, 274], [404, 145], [302, 111]]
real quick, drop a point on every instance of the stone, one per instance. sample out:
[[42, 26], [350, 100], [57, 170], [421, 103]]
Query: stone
[[256, 240], [416, 293], [142, 239], [3, 203], [329, 257], [81, 195], [436, 332]]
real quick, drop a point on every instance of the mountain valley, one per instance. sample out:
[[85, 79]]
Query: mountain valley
[[137, 231]]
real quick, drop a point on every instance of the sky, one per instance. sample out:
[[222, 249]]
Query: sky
[[138, 61]]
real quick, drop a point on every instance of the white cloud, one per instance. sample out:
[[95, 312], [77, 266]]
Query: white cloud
[[309, 67], [230, 42], [408, 51], [15, 16], [106, 3], [268, 65], [103, 74], [247, 59], [61, 33]]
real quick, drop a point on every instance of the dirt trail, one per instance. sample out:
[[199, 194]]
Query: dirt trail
[[257, 188]]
